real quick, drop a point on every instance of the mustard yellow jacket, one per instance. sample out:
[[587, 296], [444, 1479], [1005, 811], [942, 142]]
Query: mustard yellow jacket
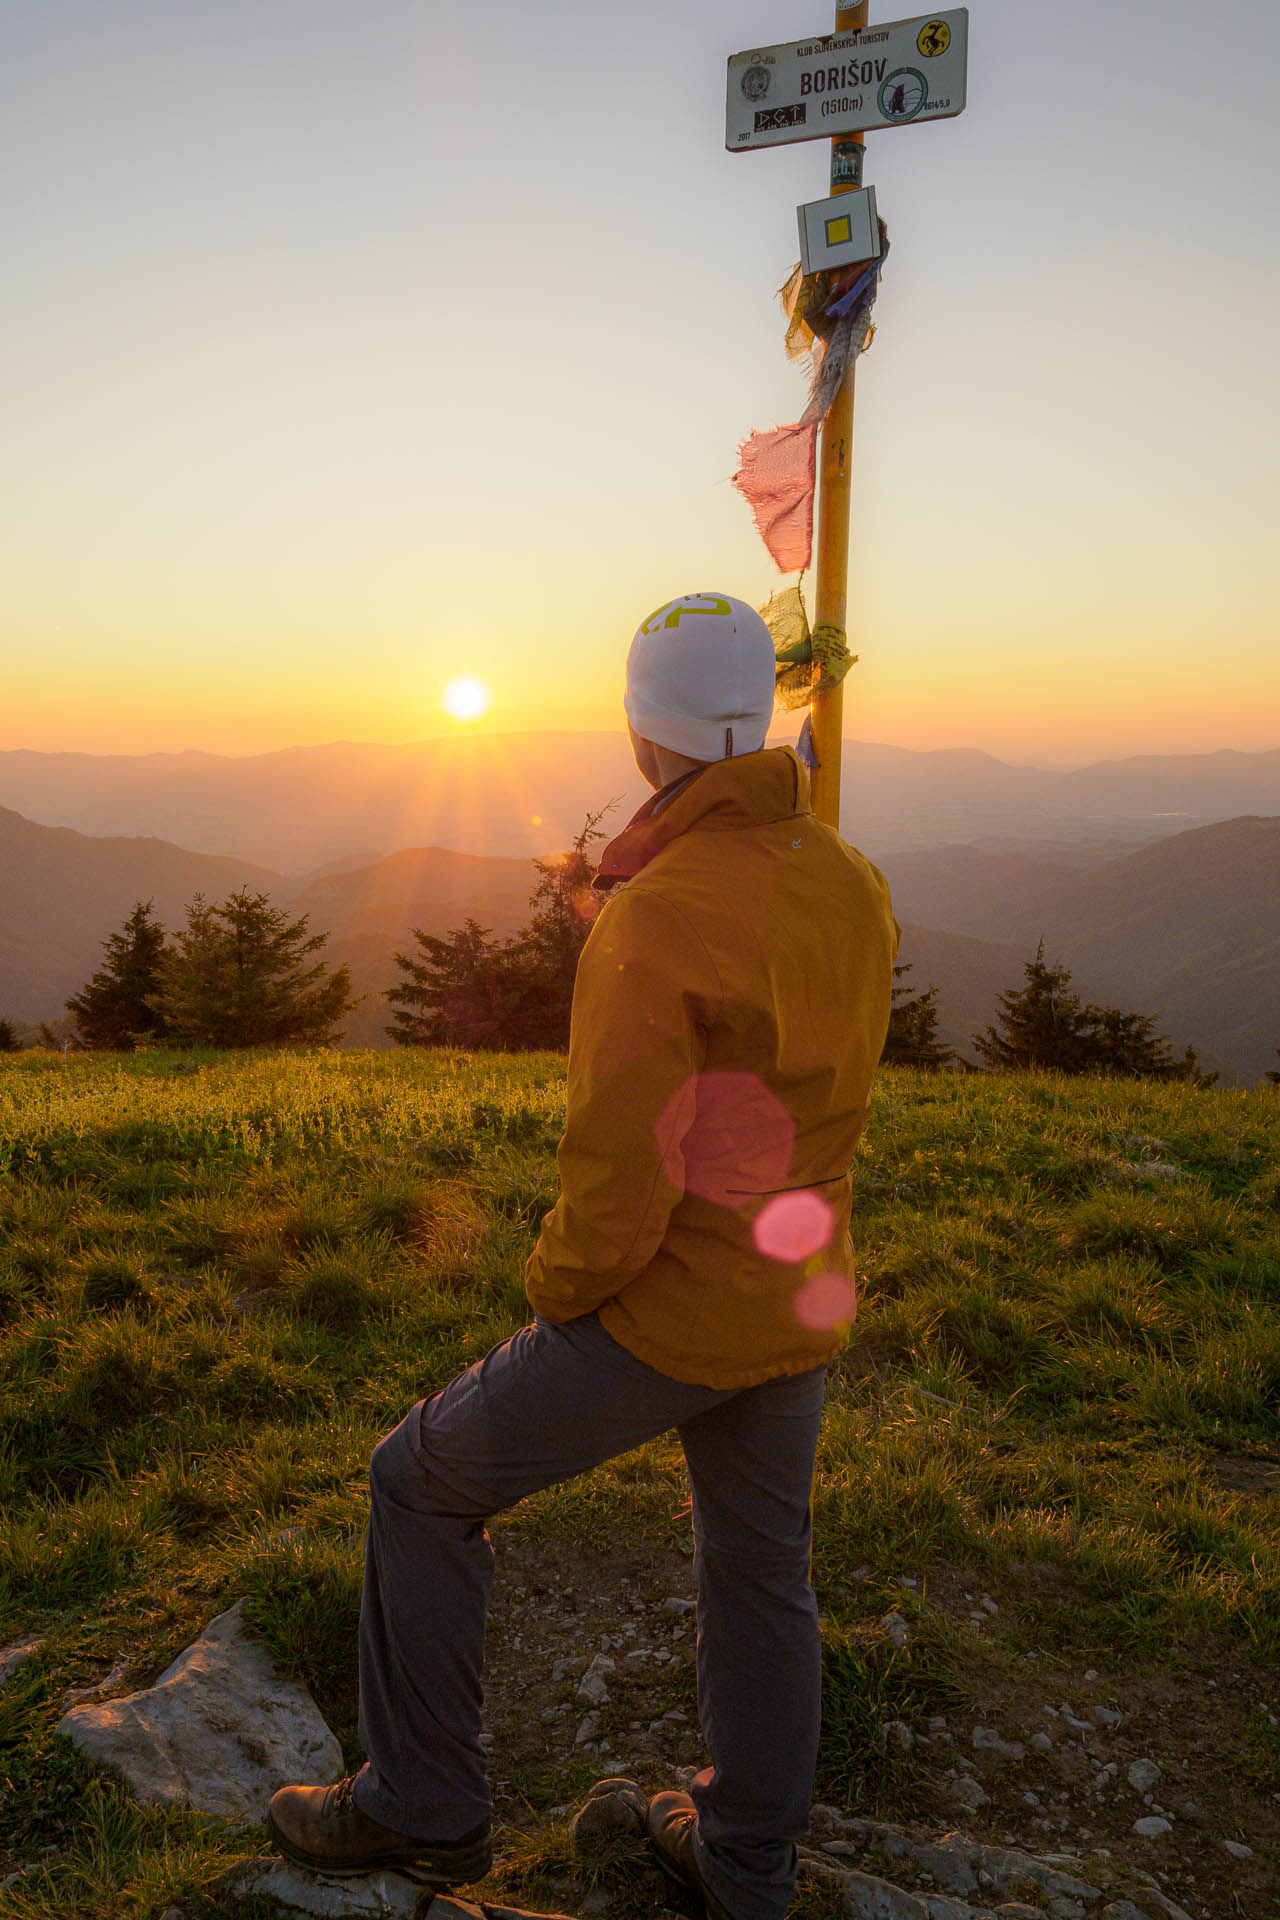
[[730, 1007]]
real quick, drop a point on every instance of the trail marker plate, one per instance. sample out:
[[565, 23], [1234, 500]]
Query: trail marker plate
[[890, 74], [840, 231]]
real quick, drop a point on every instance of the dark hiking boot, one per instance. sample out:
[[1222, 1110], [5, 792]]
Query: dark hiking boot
[[615, 1805], [322, 1828], [671, 1824]]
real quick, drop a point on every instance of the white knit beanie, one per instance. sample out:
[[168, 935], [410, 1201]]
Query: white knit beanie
[[700, 677]]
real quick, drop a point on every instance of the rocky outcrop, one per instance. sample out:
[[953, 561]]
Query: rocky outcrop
[[218, 1732], [384, 1895]]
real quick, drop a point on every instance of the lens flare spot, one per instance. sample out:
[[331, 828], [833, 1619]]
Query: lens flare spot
[[725, 1137], [467, 698], [826, 1301], [793, 1226]]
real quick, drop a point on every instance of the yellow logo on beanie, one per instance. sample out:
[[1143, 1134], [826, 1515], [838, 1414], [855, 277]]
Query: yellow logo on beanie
[[674, 608]]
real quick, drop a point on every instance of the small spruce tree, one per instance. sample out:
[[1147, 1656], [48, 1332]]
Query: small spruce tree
[[1273, 1073], [444, 999], [466, 990], [237, 975], [114, 1010], [1045, 1027], [1041, 1025], [912, 1039], [1128, 1046], [8, 1037]]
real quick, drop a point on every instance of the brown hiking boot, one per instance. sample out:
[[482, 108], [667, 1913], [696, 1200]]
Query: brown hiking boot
[[322, 1828], [671, 1824]]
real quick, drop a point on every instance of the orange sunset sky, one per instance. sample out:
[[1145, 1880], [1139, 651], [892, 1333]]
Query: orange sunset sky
[[346, 350]]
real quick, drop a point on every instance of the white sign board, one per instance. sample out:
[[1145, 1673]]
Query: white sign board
[[839, 232], [885, 76]]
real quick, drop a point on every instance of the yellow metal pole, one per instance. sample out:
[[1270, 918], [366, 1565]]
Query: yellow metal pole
[[834, 464]]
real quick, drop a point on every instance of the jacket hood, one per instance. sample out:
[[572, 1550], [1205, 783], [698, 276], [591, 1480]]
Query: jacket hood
[[751, 790]]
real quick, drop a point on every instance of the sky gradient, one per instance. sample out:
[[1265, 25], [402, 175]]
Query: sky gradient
[[348, 350]]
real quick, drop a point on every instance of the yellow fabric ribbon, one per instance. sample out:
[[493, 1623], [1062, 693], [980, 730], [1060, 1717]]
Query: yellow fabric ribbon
[[798, 651]]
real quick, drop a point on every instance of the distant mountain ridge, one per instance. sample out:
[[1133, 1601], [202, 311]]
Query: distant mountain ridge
[[1187, 927], [513, 795]]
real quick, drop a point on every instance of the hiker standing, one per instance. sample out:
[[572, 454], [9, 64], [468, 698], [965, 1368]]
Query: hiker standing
[[730, 1007]]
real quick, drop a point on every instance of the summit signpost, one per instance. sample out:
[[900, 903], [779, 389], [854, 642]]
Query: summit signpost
[[841, 86], [882, 76]]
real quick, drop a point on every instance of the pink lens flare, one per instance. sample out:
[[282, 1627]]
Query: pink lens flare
[[725, 1138], [793, 1226], [826, 1301]]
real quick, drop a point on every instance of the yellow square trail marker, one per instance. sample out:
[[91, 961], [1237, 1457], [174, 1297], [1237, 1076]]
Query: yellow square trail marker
[[839, 231]]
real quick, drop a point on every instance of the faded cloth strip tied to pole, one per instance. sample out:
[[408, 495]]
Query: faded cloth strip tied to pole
[[829, 323], [776, 479], [798, 651]]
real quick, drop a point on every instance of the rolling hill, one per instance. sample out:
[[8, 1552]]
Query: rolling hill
[[370, 914], [63, 892], [1188, 927]]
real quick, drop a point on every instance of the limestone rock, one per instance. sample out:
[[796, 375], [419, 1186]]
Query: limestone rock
[[1063, 1908], [593, 1686], [868, 1898], [989, 1740], [895, 1626], [218, 1732], [387, 1896], [1143, 1775], [17, 1653], [1238, 1850], [961, 1866], [1153, 1827], [1158, 1906]]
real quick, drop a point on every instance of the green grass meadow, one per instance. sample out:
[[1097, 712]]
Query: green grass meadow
[[222, 1278]]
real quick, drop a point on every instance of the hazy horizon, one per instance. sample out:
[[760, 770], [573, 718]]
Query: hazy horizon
[[777, 737]]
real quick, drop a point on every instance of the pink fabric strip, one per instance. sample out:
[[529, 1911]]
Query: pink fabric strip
[[776, 479]]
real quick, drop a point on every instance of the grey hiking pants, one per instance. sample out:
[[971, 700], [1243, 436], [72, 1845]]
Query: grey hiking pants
[[550, 1403]]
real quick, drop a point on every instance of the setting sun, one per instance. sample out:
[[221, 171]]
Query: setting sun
[[466, 699]]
